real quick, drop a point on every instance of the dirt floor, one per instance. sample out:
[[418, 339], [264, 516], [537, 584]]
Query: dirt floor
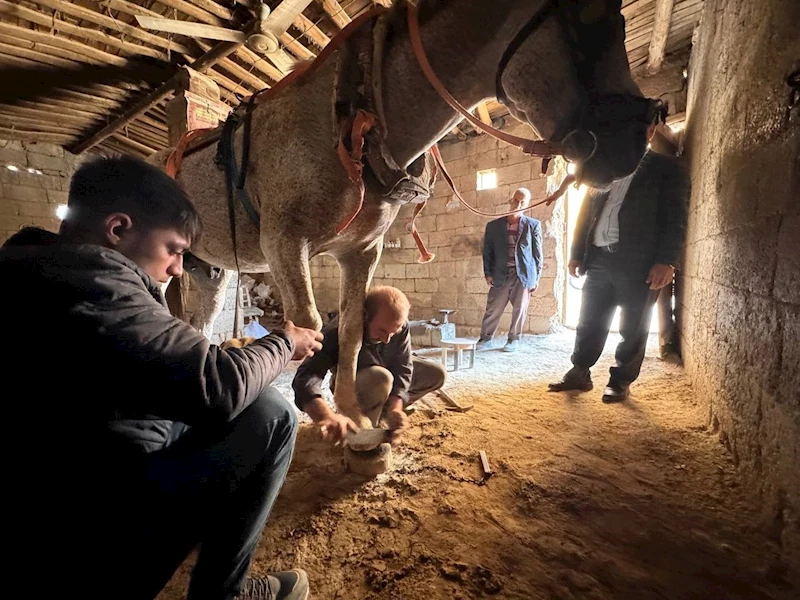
[[588, 501]]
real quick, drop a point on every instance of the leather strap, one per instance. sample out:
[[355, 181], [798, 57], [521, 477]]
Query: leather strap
[[353, 130], [548, 201], [531, 147]]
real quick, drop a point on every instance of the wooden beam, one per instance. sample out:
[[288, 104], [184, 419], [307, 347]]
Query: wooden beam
[[85, 33], [296, 48], [335, 11], [12, 133], [146, 150], [483, 113], [39, 37], [310, 31], [214, 8], [115, 25], [203, 63]]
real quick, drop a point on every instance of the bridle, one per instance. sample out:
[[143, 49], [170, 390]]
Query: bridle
[[637, 108]]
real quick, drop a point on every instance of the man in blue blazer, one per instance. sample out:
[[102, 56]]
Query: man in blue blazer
[[512, 265]]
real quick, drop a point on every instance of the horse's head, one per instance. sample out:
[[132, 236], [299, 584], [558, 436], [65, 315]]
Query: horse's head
[[566, 73]]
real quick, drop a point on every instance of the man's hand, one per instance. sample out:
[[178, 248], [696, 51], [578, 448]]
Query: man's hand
[[333, 426], [576, 268], [396, 418], [306, 341], [660, 275], [489, 281], [532, 290]]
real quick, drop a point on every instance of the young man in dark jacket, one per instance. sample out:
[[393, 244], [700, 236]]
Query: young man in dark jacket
[[132, 438]]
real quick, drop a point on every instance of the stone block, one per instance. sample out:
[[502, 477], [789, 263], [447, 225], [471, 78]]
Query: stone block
[[418, 271], [45, 162], [36, 209], [45, 148], [10, 156], [514, 174], [450, 221], [426, 285], [24, 193], [395, 271], [465, 246]]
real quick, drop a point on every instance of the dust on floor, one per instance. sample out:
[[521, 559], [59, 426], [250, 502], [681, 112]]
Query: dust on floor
[[588, 501]]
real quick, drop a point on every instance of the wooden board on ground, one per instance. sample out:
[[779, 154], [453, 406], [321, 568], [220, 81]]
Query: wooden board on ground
[[451, 403]]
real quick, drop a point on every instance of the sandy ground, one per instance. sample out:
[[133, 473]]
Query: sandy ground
[[588, 501]]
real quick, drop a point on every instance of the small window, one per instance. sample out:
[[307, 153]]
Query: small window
[[487, 180]]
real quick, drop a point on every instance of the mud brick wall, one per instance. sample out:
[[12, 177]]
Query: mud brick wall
[[454, 279], [740, 305], [36, 184]]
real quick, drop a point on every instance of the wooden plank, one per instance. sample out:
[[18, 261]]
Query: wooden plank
[[214, 8], [487, 470], [115, 25], [312, 33], [203, 63], [39, 37], [138, 146], [13, 133], [658, 41], [85, 33], [335, 11]]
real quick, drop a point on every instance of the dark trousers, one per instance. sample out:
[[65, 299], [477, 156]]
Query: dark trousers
[[614, 280], [213, 487]]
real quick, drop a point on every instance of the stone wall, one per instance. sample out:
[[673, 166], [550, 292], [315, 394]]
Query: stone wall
[[454, 279], [740, 306], [34, 180]]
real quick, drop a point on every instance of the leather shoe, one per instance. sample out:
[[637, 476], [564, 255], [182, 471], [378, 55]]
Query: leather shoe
[[573, 380], [615, 392]]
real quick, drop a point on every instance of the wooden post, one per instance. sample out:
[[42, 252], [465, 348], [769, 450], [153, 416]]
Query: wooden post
[[658, 42]]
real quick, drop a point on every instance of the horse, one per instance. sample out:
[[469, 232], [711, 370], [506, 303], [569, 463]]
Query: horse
[[559, 66]]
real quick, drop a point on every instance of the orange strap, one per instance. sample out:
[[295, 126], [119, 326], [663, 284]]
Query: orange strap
[[548, 201], [532, 147], [175, 158], [354, 128], [424, 255]]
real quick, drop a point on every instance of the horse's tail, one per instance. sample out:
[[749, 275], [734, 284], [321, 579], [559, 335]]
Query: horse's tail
[[31, 83]]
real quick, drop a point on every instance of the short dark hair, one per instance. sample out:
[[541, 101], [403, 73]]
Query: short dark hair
[[128, 185]]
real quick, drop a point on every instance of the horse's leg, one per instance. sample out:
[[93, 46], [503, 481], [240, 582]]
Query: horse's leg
[[207, 295], [288, 263], [356, 269]]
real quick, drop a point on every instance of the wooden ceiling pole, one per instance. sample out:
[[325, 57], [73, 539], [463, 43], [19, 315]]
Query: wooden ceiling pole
[[335, 11], [203, 63], [658, 42]]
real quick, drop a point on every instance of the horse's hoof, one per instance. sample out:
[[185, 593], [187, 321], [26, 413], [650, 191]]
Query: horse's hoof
[[370, 463]]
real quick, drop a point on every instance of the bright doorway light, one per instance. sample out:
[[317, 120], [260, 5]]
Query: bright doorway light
[[61, 211]]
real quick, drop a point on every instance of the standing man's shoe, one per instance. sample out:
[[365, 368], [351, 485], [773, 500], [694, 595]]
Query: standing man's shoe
[[615, 392], [284, 585], [575, 379], [484, 344], [511, 346]]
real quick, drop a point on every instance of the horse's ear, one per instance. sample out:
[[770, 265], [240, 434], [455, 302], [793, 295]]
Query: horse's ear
[[592, 11]]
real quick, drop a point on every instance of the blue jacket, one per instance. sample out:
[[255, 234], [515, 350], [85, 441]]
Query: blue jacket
[[529, 251]]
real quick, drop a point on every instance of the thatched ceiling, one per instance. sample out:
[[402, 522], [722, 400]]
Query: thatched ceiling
[[105, 32]]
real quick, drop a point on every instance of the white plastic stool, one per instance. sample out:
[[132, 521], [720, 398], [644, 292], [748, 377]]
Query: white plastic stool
[[459, 345]]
